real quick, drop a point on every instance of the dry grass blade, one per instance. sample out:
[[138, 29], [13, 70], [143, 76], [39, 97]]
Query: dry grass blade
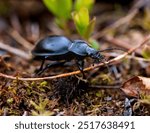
[[15, 51], [14, 34]]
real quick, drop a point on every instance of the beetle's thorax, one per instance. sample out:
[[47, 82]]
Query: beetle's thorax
[[81, 49], [78, 47]]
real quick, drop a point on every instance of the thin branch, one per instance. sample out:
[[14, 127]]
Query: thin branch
[[118, 23], [86, 69], [125, 19], [128, 57], [120, 43], [105, 86], [15, 35], [15, 51]]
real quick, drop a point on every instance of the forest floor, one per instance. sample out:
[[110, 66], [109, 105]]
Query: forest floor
[[122, 88]]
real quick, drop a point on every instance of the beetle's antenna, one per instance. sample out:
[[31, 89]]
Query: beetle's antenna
[[108, 49]]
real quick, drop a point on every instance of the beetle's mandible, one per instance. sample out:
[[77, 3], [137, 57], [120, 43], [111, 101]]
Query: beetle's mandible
[[58, 48]]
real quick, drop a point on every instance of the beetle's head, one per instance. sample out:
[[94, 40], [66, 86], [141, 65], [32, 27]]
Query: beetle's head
[[97, 57], [94, 54]]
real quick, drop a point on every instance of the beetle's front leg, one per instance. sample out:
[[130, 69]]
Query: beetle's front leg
[[40, 70], [41, 67], [80, 64], [51, 65]]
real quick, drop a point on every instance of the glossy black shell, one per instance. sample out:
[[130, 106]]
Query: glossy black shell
[[61, 48], [52, 45]]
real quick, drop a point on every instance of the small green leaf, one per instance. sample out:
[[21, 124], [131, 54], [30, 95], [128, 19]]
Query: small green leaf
[[10, 100], [40, 109], [51, 5], [61, 23], [43, 84], [84, 3], [146, 52], [90, 28], [100, 94], [60, 8], [81, 20]]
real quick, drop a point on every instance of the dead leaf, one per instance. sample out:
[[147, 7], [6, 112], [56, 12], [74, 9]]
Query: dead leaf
[[136, 86]]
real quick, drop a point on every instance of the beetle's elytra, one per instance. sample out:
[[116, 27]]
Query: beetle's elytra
[[59, 48]]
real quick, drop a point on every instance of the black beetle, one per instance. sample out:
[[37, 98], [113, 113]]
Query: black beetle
[[58, 48]]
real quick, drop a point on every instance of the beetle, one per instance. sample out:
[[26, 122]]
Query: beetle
[[58, 48]]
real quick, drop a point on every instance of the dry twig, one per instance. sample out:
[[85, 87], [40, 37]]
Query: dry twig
[[86, 69], [15, 51], [105, 86], [120, 43], [15, 35], [128, 57], [117, 24]]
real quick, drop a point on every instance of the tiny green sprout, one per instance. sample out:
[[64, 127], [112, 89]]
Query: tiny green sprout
[[61, 9], [100, 94], [10, 100], [43, 84], [40, 109], [12, 89], [146, 52], [33, 83], [81, 18], [83, 23], [84, 3], [145, 98]]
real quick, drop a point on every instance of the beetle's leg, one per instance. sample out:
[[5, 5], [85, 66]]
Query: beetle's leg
[[39, 71], [51, 65], [41, 67], [80, 64]]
